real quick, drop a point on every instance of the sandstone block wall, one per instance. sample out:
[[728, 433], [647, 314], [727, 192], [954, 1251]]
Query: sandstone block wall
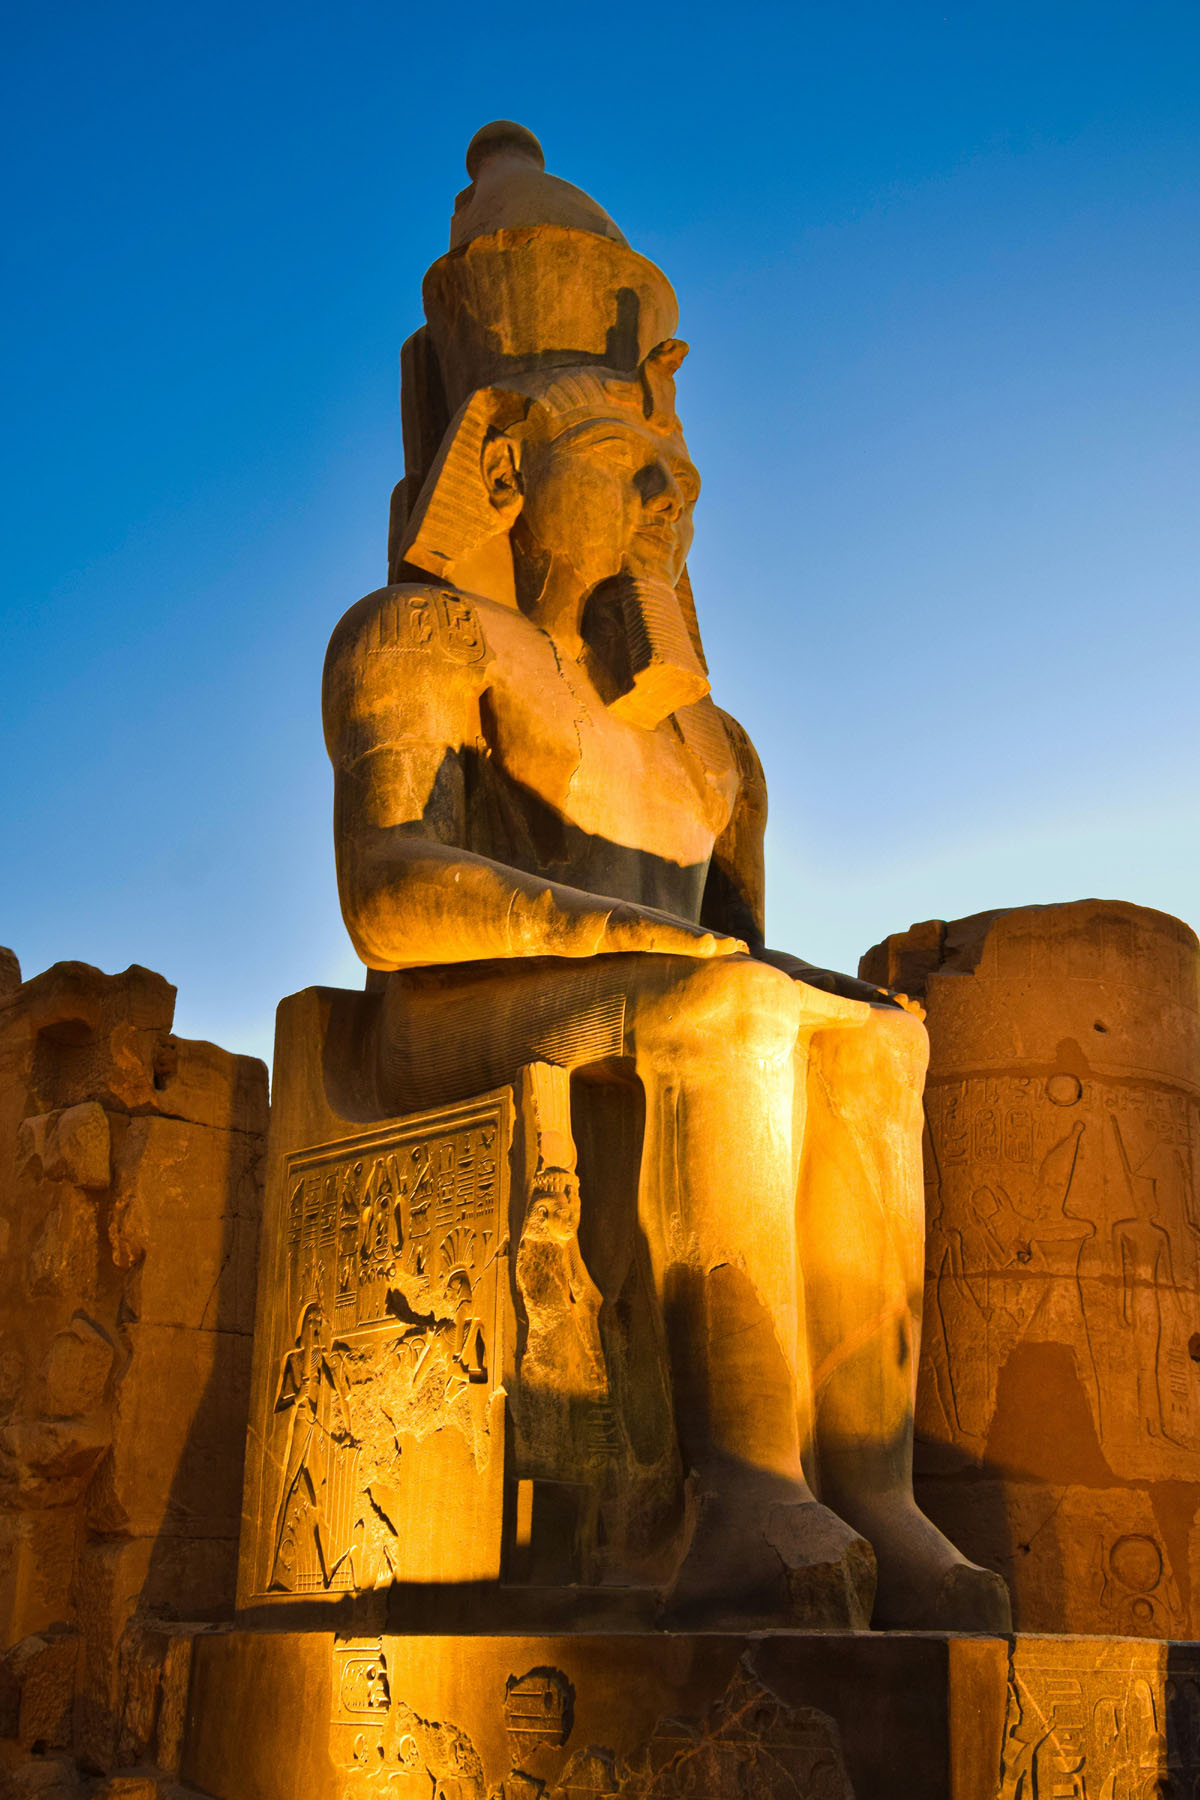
[[1058, 1410], [130, 1180]]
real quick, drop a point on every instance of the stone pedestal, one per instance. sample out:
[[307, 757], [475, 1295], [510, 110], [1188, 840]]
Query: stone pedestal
[[823, 1716], [1058, 1415]]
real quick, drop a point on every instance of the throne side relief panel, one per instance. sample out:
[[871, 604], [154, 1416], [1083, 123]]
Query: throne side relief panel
[[377, 1453]]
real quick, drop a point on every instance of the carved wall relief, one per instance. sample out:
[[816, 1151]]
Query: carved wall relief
[[565, 1421], [747, 1743], [1060, 1358], [436, 1395], [1045, 1222], [1094, 1726], [385, 1345]]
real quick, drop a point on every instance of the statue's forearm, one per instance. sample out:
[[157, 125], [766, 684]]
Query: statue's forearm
[[409, 901]]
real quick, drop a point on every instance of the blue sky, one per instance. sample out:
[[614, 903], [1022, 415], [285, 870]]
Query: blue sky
[[939, 269]]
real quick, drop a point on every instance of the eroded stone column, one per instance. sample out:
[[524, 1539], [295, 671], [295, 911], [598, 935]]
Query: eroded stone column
[[130, 1184], [1058, 1412]]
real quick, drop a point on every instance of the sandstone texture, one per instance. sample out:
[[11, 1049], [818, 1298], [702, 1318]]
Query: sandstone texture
[[579, 1424], [130, 1172], [774, 1716], [1058, 1413], [576, 1280]]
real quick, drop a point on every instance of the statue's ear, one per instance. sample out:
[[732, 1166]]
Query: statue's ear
[[500, 465], [473, 490]]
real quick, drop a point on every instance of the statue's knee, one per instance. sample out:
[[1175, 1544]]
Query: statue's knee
[[887, 1054], [900, 1039], [729, 1009]]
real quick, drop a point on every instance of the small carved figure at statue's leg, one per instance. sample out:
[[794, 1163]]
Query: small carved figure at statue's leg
[[861, 1222], [715, 1046]]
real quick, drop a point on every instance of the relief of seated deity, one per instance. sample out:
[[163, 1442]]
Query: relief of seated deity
[[550, 852]]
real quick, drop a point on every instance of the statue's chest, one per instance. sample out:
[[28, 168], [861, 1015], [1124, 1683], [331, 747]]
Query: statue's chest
[[668, 791]]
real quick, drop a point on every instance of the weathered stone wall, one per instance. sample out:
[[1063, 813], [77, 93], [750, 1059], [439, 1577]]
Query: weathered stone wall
[[130, 1180], [1058, 1411]]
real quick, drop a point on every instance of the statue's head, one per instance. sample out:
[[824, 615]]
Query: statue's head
[[585, 466], [311, 1325], [553, 1213], [598, 473], [545, 458]]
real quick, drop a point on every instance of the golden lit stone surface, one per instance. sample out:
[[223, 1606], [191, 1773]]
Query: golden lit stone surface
[[684, 1307], [712, 1716], [1059, 1402], [129, 1206], [589, 1304]]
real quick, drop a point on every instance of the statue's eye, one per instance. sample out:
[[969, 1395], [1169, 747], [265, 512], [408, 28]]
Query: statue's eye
[[688, 482], [614, 450], [612, 446]]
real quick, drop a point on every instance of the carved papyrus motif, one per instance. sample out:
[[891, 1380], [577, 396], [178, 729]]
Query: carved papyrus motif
[[389, 1336]]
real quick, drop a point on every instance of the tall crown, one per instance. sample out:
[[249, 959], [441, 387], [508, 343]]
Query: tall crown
[[537, 276]]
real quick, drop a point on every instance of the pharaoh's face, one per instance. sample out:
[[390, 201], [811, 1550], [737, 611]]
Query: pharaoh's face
[[554, 1209], [608, 495]]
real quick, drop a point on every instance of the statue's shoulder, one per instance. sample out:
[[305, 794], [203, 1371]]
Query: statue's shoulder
[[400, 630], [752, 781]]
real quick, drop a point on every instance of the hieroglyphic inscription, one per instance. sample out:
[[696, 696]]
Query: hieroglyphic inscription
[[1086, 1726], [389, 1331], [1090, 1559], [442, 621], [747, 1743]]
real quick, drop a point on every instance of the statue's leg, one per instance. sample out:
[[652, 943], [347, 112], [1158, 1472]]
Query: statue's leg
[[861, 1228], [717, 1047]]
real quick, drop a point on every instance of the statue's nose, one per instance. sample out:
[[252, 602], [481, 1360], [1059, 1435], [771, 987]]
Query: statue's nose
[[661, 493]]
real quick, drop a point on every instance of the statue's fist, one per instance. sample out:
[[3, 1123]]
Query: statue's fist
[[629, 927]]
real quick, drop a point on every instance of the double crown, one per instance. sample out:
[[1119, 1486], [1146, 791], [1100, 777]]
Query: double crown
[[537, 279]]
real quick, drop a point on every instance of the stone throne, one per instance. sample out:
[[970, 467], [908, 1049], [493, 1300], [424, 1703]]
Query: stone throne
[[593, 1226]]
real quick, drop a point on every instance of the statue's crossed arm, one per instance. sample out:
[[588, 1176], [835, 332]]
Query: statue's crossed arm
[[403, 679]]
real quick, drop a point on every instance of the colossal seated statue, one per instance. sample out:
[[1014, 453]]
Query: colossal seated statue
[[549, 850]]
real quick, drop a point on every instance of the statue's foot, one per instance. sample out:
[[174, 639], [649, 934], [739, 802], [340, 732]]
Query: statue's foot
[[925, 1584], [768, 1556]]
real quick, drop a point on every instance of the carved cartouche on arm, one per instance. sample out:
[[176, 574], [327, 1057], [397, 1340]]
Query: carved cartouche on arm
[[405, 682]]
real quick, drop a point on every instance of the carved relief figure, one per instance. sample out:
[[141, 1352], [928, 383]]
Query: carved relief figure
[[1132, 1333], [987, 1242], [312, 1395], [405, 1233], [564, 1383], [549, 845]]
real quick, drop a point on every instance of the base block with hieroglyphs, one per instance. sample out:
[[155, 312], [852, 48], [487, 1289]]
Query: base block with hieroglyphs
[[897, 1716]]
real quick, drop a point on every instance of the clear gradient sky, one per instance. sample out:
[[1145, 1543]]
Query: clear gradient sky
[[939, 268]]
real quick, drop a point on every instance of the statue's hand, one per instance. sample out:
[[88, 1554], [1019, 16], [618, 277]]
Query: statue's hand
[[630, 927], [830, 981]]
